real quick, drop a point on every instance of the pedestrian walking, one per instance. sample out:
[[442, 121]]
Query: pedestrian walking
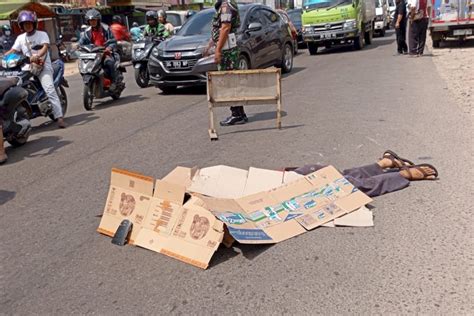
[[400, 19], [225, 24], [418, 25]]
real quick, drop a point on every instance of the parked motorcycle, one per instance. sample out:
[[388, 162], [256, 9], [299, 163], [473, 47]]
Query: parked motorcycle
[[17, 65], [141, 51], [14, 106], [96, 85]]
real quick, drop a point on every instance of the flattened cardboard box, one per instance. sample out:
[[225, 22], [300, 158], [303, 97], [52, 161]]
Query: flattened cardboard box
[[161, 222], [277, 214]]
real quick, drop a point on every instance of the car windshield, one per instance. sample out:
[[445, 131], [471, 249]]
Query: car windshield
[[201, 23], [174, 19], [317, 4], [378, 4]]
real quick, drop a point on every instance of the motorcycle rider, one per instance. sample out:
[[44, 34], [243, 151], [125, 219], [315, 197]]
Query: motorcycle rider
[[119, 30], [162, 19], [24, 44], [99, 34], [7, 39], [154, 28], [135, 32]]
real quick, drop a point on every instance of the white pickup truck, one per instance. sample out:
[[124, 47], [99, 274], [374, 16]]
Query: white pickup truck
[[451, 18]]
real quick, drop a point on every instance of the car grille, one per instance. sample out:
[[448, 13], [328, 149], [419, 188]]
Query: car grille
[[328, 27]]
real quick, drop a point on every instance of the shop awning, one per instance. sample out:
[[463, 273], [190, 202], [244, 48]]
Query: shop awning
[[9, 9]]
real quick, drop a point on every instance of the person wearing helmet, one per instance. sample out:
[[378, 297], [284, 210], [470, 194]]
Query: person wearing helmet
[[7, 39], [135, 32], [99, 34], [162, 19], [28, 43], [119, 30], [154, 28]]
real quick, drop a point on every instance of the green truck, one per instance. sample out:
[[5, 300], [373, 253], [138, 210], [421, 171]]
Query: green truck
[[333, 22]]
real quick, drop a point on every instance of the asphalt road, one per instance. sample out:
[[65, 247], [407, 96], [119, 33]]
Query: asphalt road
[[343, 108]]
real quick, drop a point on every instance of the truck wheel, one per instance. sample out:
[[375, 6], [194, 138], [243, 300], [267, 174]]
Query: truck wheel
[[370, 34], [382, 33], [313, 49], [359, 42], [436, 43]]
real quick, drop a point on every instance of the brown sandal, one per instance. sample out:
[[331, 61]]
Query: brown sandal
[[394, 157], [426, 176]]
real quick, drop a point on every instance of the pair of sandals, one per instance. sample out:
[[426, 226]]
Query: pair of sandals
[[409, 166]]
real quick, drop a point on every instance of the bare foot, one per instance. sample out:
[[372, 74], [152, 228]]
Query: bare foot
[[420, 172], [61, 123], [386, 163], [392, 160]]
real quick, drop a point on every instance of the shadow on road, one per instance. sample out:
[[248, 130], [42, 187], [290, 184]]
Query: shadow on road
[[40, 147], [250, 252], [261, 129], [376, 42], [129, 99], [265, 116], [76, 120], [294, 71], [194, 90], [6, 196], [455, 44]]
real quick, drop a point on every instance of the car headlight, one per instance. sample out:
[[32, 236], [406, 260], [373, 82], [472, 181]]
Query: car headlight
[[157, 52], [350, 24], [308, 29]]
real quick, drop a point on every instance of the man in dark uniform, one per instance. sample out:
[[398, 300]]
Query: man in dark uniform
[[225, 24], [401, 26]]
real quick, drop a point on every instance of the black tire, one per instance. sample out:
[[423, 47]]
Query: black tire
[[244, 63], [116, 95], [328, 46], [436, 43], [295, 45], [63, 99], [141, 77], [313, 49], [382, 33], [368, 36], [359, 42], [88, 97], [287, 59], [18, 142], [168, 89]]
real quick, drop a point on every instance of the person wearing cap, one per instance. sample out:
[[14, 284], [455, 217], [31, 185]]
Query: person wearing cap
[[162, 19], [27, 43], [99, 34]]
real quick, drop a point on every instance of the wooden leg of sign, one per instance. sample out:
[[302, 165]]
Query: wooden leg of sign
[[279, 101], [212, 127]]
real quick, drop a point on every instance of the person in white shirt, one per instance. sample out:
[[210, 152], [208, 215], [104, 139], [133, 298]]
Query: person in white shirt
[[25, 44]]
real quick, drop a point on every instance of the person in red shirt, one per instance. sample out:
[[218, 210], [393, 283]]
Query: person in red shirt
[[119, 30]]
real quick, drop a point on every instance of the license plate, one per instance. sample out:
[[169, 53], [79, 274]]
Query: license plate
[[176, 64], [462, 32], [87, 56], [139, 45], [328, 35]]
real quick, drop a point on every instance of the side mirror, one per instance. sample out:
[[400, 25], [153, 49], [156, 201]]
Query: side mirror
[[253, 27]]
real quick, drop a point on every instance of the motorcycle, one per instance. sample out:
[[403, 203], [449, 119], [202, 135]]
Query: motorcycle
[[62, 49], [141, 51], [17, 65], [13, 102], [96, 84]]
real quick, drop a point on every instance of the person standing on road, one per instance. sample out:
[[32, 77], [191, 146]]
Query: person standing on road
[[401, 26], [27, 44], [162, 19], [418, 25], [99, 34], [225, 24], [154, 28]]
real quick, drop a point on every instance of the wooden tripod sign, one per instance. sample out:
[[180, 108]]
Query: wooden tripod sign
[[243, 87]]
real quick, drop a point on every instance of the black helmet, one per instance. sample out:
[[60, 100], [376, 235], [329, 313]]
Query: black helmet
[[6, 27], [151, 15], [162, 14], [117, 19], [93, 14]]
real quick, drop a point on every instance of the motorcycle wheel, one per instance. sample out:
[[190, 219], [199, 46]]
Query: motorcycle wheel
[[17, 142], [63, 99], [88, 97], [141, 77]]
